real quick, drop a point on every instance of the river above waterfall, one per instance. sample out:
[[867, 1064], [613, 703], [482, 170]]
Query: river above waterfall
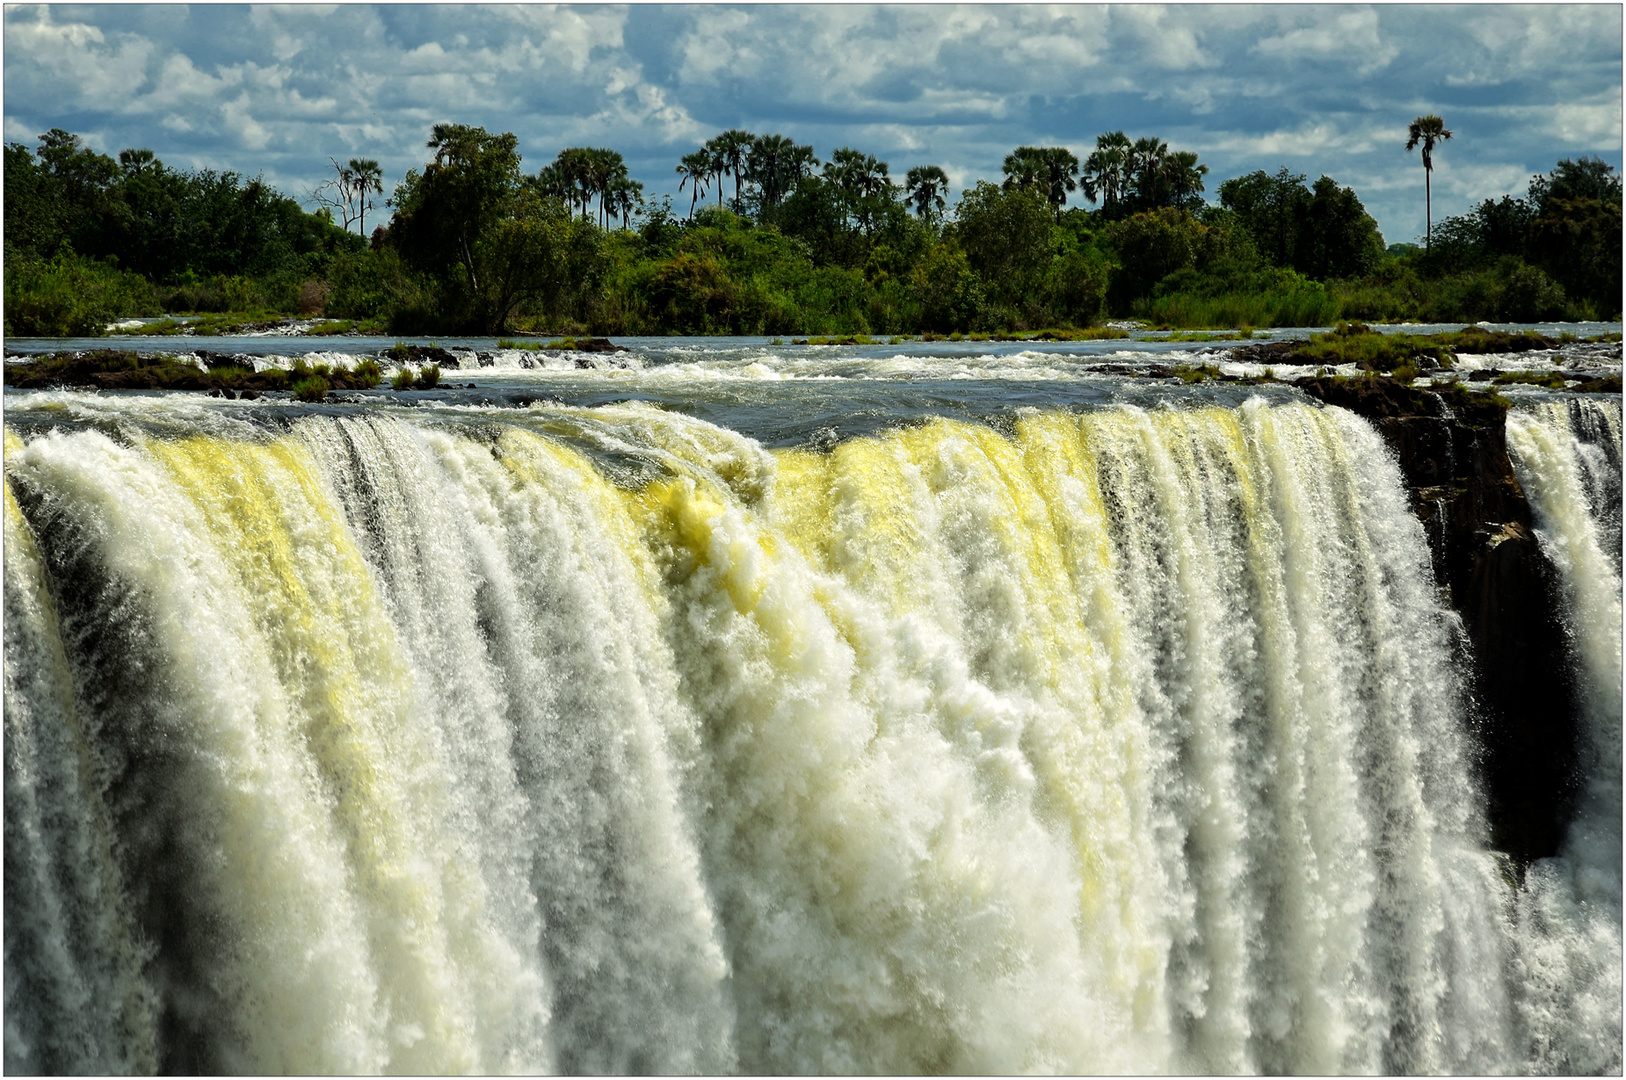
[[784, 394]]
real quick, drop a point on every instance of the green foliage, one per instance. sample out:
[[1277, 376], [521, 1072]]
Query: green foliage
[[1006, 238], [1550, 380], [476, 246], [1322, 232], [428, 376], [311, 388], [403, 379], [69, 295], [1355, 343], [367, 373], [850, 339], [1188, 373]]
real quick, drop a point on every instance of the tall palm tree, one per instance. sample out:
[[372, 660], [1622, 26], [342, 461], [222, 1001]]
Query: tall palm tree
[[604, 168], [1146, 160], [1060, 176], [801, 162], [696, 170], [1184, 176], [366, 178], [624, 196], [551, 180], [765, 166], [927, 188], [1024, 168], [574, 172], [1106, 170], [1427, 130], [731, 149]]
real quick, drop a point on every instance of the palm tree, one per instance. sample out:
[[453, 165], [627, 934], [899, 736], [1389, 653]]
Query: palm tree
[[731, 149], [1427, 130], [1184, 176], [552, 180], [1024, 167], [927, 188], [604, 168], [136, 161], [624, 196], [1146, 160], [574, 171], [366, 178], [1060, 176], [801, 162], [696, 169], [765, 166], [1106, 171]]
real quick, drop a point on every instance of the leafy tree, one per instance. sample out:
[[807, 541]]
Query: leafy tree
[[947, 289], [487, 238], [1269, 207], [1428, 131], [1006, 236], [1578, 242], [1336, 237], [1150, 246]]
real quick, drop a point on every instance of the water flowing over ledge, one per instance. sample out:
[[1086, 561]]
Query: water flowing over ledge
[[606, 740]]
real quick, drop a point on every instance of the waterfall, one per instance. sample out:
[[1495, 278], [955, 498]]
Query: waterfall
[[607, 740], [1568, 457]]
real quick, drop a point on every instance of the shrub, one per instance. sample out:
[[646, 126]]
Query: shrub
[[367, 373], [428, 376], [312, 388], [70, 296], [402, 379]]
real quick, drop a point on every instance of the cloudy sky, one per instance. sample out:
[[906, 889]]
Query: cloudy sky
[[1320, 89]]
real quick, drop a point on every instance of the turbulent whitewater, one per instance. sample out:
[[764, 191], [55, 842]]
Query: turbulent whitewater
[[604, 739]]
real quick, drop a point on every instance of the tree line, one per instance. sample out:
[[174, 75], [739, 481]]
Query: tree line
[[775, 239]]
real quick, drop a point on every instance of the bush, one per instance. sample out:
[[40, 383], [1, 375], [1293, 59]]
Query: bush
[[367, 373], [428, 376], [402, 379], [70, 296], [312, 388]]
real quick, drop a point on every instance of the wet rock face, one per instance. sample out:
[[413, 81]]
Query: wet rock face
[[1452, 449]]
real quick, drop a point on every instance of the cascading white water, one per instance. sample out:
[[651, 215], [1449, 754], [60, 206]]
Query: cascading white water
[[604, 740], [1568, 457]]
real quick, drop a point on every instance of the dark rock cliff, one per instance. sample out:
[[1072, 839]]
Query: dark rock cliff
[[1452, 449]]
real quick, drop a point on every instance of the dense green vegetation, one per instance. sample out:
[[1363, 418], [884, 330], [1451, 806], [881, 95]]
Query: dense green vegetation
[[775, 241]]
